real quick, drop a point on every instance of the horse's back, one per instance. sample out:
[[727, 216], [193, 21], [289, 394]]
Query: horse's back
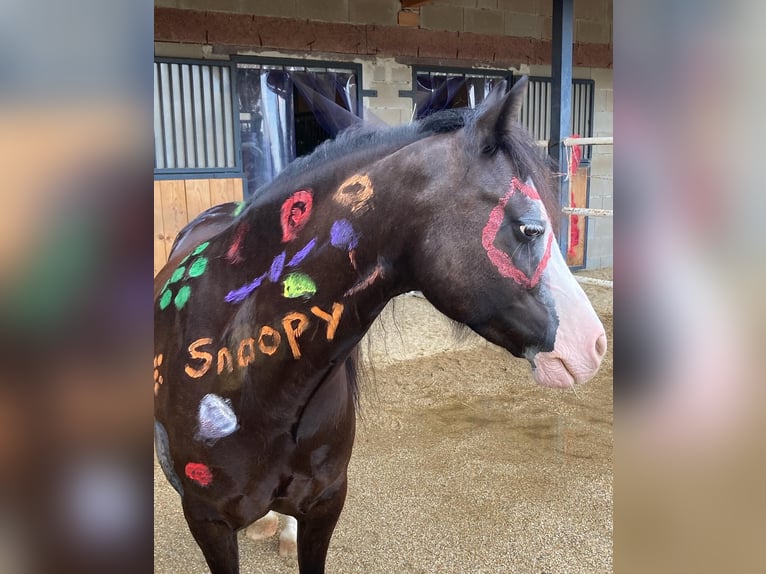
[[202, 228]]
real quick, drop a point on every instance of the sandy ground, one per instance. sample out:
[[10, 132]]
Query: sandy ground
[[461, 464]]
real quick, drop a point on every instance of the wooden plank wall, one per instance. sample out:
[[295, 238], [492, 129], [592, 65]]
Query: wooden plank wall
[[177, 202], [578, 188]]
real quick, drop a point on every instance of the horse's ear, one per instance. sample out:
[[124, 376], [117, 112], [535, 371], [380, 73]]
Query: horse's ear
[[499, 111], [496, 94]]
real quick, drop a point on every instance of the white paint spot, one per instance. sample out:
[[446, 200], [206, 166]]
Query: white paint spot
[[216, 418]]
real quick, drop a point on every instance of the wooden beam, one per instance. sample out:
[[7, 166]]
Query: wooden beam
[[414, 3]]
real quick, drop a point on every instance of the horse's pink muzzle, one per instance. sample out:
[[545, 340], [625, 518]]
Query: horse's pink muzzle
[[580, 343]]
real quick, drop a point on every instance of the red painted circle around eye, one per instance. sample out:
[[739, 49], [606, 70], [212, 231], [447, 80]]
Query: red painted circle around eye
[[295, 213], [500, 259], [199, 473]]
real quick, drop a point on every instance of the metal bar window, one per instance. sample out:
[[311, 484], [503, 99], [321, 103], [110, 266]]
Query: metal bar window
[[193, 121], [538, 119]]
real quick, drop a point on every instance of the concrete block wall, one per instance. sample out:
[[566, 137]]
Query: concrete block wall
[[387, 77], [601, 229]]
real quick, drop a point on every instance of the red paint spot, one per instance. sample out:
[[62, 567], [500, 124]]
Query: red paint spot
[[499, 258], [232, 254], [574, 220], [199, 473], [295, 214]]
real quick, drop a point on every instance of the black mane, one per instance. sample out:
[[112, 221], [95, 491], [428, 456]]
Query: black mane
[[364, 136]]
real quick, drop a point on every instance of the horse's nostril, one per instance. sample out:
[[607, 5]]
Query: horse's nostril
[[601, 346]]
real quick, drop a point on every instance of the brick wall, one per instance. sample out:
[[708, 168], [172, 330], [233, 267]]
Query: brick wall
[[523, 18], [445, 34]]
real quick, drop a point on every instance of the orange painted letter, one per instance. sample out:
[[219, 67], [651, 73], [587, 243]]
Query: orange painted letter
[[245, 358], [294, 331], [276, 338], [206, 357], [332, 319], [225, 359]]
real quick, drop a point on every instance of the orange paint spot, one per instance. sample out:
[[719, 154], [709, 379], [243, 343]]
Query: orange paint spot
[[158, 380], [196, 354], [355, 193], [332, 318], [246, 353], [276, 338], [293, 331]]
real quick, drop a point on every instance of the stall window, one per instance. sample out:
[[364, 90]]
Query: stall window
[[286, 111], [193, 122], [442, 88]]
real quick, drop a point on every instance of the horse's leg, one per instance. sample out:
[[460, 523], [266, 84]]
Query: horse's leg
[[316, 527], [216, 539], [288, 538], [265, 527]]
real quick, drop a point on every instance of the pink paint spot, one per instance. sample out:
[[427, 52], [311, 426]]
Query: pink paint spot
[[199, 473], [233, 253], [527, 190], [376, 274], [499, 258], [295, 214]]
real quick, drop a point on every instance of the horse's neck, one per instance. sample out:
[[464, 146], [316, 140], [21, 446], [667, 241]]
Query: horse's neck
[[337, 266]]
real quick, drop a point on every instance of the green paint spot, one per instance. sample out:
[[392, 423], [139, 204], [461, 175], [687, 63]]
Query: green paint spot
[[298, 285], [200, 248], [182, 296], [165, 300], [177, 274], [239, 208], [198, 267]]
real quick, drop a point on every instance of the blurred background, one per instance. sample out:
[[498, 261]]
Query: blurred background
[[75, 286], [689, 308], [76, 152]]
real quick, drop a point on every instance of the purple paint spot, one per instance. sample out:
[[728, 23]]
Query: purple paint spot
[[242, 293], [276, 267], [302, 254], [343, 236]]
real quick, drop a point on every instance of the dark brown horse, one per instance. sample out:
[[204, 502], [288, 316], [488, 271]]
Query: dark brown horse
[[259, 311]]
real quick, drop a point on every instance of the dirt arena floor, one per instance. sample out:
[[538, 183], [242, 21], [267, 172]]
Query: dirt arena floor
[[461, 464]]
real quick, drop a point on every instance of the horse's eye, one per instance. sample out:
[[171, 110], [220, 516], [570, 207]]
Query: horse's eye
[[532, 230]]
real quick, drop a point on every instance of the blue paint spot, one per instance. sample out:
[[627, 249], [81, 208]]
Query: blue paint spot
[[302, 254], [276, 267], [216, 418], [343, 236], [242, 293], [163, 455]]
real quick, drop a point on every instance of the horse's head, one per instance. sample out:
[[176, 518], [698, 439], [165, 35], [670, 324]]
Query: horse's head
[[486, 219]]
